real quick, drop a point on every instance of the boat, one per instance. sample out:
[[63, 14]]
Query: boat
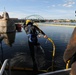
[[6, 24]]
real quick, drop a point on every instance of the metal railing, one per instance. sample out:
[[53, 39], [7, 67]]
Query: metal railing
[[2, 70], [59, 72]]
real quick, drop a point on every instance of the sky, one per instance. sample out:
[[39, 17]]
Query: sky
[[48, 9]]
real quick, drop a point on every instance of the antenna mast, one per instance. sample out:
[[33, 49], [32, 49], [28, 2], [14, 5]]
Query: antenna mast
[[4, 9]]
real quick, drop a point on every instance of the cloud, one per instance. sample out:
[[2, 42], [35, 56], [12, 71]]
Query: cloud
[[69, 3]]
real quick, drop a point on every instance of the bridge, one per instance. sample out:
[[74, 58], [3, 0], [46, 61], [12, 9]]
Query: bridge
[[38, 17]]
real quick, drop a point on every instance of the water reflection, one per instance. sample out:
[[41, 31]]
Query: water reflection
[[24, 60]]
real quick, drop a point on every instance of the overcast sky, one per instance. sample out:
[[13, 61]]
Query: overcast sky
[[48, 9]]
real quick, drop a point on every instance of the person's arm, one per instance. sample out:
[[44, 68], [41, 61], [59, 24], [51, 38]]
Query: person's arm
[[26, 29], [71, 47], [40, 31]]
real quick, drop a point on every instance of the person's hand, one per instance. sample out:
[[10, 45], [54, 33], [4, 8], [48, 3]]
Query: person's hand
[[39, 36], [45, 36]]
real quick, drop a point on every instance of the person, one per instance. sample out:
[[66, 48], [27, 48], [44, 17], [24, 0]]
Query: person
[[70, 53], [32, 32]]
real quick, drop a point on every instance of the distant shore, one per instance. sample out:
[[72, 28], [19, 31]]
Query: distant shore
[[64, 25], [54, 24]]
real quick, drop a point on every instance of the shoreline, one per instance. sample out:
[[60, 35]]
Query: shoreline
[[63, 25], [45, 24]]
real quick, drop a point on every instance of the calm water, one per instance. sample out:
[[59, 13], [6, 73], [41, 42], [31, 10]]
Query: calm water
[[14, 46], [64, 23]]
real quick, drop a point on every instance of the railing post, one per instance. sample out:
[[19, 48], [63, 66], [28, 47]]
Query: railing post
[[3, 66]]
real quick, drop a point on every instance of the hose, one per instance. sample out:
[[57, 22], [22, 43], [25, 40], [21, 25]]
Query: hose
[[53, 46], [53, 53], [67, 64]]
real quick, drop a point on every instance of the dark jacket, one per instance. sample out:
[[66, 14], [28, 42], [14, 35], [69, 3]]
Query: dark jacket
[[32, 31]]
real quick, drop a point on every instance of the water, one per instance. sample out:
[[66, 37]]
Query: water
[[15, 47], [62, 23]]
